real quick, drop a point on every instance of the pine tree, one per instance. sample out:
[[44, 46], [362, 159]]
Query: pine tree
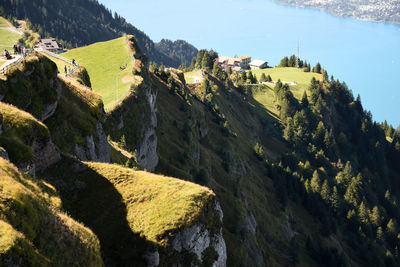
[[392, 226], [317, 68], [353, 192], [284, 62], [207, 62], [376, 216], [243, 76], [304, 100], [325, 191], [380, 237], [315, 182], [363, 213], [335, 200], [250, 77], [319, 134], [269, 79], [263, 78], [199, 58]]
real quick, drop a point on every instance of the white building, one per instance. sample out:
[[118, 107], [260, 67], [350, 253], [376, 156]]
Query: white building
[[258, 64]]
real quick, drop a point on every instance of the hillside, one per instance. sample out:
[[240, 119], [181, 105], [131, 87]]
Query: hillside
[[120, 207], [297, 185], [298, 81], [179, 50], [293, 172], [83, 22], [103, 62]]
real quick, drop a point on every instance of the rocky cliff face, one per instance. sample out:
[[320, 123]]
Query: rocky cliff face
[[147, 149], [205, 243], [96, 146], [44, 153], [201, 244]]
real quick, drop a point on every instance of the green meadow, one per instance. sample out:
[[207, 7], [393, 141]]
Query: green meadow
[[103, 61], [264, 93]]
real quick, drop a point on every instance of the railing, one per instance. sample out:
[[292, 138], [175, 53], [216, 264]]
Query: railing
[[76, 65], [55, 55], [4, 69]]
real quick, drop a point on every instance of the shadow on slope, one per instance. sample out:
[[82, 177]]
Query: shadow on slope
[[93, 200]]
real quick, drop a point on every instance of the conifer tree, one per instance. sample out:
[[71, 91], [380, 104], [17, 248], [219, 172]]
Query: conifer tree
[[304, 100], [199, 58], [335, 200], [379, 235], [284, 62], [353, 192], [315, 182], [363, 213], [207, 62], [269, 79], [243, 76], [325, 191], [263, 78], [376, 216], [317, 68]]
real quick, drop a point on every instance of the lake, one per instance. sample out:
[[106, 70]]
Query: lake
[[366, 55]]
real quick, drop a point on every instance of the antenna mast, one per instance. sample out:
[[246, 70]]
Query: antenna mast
[[298, 54]]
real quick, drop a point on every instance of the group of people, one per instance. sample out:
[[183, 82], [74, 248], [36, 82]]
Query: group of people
[[19, 50], [68, 70]]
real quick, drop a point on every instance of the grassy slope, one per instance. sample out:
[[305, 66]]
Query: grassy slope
[[33, 231], [103, 61], [7, 40], [60, 63], [182, 202], [190, 76], [130, 211], [20, 129], [265, 95]]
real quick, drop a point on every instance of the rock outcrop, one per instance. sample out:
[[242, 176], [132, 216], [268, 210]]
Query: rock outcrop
[[147, 149], [96, 147], [50, 108], [200, 238]]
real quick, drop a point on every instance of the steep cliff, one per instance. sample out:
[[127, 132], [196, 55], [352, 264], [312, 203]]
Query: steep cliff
[[26, 140], [73, 113], [142, 217], [33, 229]]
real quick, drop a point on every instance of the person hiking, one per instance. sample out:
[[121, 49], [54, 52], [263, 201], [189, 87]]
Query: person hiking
[[15, 49], [73, 62], [65, 69], [70, 70]]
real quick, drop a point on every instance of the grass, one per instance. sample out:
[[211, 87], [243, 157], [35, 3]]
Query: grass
[[60, 63], [302, 79], [20, 130], [7, 40], [190, 76], [156, 205], [77, 112], [264, 93], [3, 22], [103, 61], [34, 230]]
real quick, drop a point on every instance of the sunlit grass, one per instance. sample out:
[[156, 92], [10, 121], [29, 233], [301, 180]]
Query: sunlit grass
[[155, 204]]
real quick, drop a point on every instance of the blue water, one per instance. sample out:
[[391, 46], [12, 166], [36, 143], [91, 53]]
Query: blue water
[[365, 55]]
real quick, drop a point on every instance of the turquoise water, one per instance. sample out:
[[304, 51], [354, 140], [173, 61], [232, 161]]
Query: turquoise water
[[365, 55]]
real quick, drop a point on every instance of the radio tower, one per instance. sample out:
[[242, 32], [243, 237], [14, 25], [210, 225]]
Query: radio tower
[[298, 54]]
